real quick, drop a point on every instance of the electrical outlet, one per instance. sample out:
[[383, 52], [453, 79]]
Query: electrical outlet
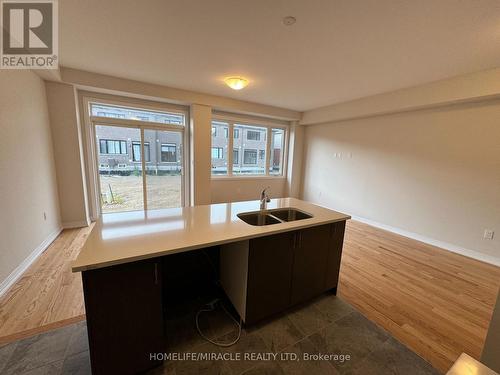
[[488, 234]]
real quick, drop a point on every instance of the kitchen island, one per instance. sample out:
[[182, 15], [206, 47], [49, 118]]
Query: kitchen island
[[123, 264]]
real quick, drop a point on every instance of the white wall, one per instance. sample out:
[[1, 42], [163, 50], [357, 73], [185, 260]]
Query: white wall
[[61, 100], [244, 189], [434, 173], [465, 88], [200, 141], [28, 185]]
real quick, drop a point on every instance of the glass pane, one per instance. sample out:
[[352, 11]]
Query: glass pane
[[120, 177], [277, 148], [163, 168], [220, 143], [249, 145], [128, 113], [136, 151]]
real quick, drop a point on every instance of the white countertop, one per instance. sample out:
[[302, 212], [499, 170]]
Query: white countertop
[[466, 365], [130, 236]]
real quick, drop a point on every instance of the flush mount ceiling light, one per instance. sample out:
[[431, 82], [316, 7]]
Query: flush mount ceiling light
[[236, 83]]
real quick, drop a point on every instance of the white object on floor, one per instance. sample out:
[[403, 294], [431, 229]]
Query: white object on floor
[[211, 307]]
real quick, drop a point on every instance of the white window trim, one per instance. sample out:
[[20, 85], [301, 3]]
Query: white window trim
[[90, 151], [231, 121]]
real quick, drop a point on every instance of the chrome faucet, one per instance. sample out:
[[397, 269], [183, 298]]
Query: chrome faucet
[[264, 199]]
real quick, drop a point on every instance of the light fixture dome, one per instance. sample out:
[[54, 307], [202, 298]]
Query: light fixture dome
[[236, 83]]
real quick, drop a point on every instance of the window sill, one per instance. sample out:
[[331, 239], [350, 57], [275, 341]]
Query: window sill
[[249, 177]]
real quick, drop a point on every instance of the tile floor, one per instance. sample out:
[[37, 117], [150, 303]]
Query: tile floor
[[326, 325]]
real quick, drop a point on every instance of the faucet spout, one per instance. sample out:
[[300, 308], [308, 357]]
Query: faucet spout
[[264, 199]]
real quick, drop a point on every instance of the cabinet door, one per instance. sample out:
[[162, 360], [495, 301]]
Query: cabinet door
[[310, 263], [334, 255], [269, 276], [124, 316]]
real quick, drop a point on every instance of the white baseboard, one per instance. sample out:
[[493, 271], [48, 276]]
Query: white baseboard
[[14, 275], [430, 241], [75, 224]]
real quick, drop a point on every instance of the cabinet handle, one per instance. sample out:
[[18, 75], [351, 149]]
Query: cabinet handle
[[156, 273], [300, 239]]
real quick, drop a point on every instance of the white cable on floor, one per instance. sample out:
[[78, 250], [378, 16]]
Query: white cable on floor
[[210, 309]]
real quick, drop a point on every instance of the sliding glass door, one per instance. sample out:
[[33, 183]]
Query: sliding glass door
[[139, 167], [164, 170]]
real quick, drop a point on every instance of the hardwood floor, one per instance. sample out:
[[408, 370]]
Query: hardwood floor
[[436, 302], [48, 295]]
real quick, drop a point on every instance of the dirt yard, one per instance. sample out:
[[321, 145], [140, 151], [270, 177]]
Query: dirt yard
[[162, 192]]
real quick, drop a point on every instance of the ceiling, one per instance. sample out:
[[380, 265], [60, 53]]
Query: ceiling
[[337, 51]]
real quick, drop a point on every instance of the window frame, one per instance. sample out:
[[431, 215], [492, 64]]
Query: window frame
[[263, 123], [87, 98]]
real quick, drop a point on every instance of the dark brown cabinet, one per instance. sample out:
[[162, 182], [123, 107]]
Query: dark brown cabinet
[[334, 255], [267, 275], [311, 252], [124, 328]]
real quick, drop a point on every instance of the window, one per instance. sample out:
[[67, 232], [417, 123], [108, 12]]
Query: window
[[256, 149], [262, 155], [138, 178], [138, 114], [220, 148], [107, 146], [217, 153], [236, 156], [253, 153], [168, 153], [250, 157], [277, 154], [136, 151], [253, 135]]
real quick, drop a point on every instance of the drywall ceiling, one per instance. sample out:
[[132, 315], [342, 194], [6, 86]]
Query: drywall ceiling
[[338, 50]]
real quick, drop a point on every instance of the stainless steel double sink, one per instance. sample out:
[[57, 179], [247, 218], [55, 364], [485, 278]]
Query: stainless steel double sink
[[273, 216]]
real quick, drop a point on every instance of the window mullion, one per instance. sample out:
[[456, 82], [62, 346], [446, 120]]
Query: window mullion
[[143, 164], [268, 150], [230, 142]]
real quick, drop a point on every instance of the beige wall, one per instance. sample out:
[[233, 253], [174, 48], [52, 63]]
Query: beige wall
[[116, 85], [67, 152], [465, 88], [294, 167], [28, 185], [200, 143], [243, 189], [434, 173]]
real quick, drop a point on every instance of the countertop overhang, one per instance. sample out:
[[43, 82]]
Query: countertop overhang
[[125, 237]]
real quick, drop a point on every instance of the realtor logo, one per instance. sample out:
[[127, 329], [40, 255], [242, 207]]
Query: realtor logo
[[29, 34]]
